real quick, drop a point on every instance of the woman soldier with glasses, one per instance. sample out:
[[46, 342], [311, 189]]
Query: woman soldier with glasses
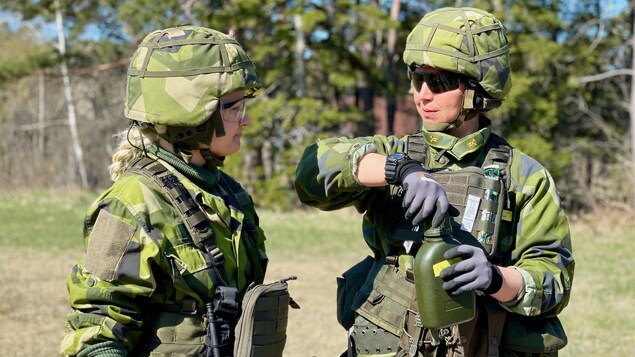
[[515, 250], [174, 229]]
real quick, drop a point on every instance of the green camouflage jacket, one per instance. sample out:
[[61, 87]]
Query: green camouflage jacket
[[139, 255], [540, 249]]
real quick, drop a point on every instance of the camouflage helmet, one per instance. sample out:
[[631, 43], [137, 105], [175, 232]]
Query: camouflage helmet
[[176, 78], [464, 40]]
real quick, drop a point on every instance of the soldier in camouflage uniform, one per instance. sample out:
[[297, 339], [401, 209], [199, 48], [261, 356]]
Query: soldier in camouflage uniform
[[143, 285], [458, 63]]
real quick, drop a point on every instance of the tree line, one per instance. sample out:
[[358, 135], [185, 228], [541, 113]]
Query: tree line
[[330, 67]]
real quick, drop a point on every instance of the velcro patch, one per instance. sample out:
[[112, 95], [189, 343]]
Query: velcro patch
[[107, 245]]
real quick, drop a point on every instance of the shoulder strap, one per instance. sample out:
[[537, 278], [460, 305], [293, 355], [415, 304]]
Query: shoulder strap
[[417, 148], [499, 153], [198, 225]]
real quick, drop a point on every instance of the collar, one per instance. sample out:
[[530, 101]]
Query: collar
[[458, 147], [200, 176]]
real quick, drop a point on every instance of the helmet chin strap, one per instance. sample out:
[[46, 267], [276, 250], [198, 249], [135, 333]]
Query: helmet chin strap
[[202, 143], [212, 162], [468, 112]]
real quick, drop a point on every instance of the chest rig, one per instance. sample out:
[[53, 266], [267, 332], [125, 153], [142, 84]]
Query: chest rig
[[479, 193], [230, 326], [388, 317], [197, 224], [206, 333]]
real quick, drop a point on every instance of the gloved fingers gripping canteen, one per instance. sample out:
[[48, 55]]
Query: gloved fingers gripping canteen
[[473, 272]]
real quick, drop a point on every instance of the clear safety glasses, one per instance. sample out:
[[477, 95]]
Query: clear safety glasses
[[437, 82], [233, 111]]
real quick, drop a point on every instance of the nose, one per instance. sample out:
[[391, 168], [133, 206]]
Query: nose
[[424, 94], [246, 120]]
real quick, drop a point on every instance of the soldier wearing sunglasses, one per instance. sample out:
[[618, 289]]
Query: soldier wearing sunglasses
[[515, 252]]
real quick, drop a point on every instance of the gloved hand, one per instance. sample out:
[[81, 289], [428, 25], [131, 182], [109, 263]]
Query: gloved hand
[[423, 196], [474, 272]]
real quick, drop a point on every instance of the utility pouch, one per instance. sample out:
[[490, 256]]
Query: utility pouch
[[261, 330], [173, 333], [386, 299], [388, 321], [533, 334]]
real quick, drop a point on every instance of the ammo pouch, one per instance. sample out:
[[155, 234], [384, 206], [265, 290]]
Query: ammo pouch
[[261, 330], [388, 301], [173, 333]]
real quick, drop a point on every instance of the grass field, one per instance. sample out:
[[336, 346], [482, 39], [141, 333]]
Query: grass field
[[41, 238]]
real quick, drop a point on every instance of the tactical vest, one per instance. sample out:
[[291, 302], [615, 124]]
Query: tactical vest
[[480, 194], [184, 331], [386, 302]]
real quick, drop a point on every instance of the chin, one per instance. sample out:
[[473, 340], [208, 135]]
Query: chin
[[232, 150]]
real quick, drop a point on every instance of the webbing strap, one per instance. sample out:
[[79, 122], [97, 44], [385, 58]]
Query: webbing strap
[[196, 222], [412, 339], [499, 152], [418, 148]]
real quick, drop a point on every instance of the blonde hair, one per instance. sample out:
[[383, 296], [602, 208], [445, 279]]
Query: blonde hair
[[130, 146]]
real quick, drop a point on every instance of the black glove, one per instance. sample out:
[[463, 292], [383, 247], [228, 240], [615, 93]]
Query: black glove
[[474, 272], [424, 197]]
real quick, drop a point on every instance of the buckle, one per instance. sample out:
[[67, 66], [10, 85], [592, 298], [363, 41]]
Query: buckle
[[188, 307]]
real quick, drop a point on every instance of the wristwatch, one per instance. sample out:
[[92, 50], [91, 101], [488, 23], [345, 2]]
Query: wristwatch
[[392, 165]]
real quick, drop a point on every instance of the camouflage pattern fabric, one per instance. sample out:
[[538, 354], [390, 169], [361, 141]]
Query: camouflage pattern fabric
[[463, 40], [177, 75], [140, 256], [540, 249]]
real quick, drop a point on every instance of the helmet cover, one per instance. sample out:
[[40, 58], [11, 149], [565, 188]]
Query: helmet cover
[[177, 76], [464, 40]]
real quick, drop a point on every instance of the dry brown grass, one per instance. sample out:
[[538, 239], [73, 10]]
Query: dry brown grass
[[33, 301]]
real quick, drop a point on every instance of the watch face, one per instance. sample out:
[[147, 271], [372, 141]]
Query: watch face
[[397, 156]]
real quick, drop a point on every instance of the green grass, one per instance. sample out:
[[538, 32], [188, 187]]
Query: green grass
[[599, 319], [317, 246], [312, 233], [43, 219]]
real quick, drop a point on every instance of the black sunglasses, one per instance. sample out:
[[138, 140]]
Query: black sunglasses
[[437, 82]]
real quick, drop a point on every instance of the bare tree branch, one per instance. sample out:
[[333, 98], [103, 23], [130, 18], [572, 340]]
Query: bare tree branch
[[605, 75]]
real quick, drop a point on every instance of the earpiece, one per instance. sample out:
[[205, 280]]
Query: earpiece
[[484, 104], [480, 102]]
